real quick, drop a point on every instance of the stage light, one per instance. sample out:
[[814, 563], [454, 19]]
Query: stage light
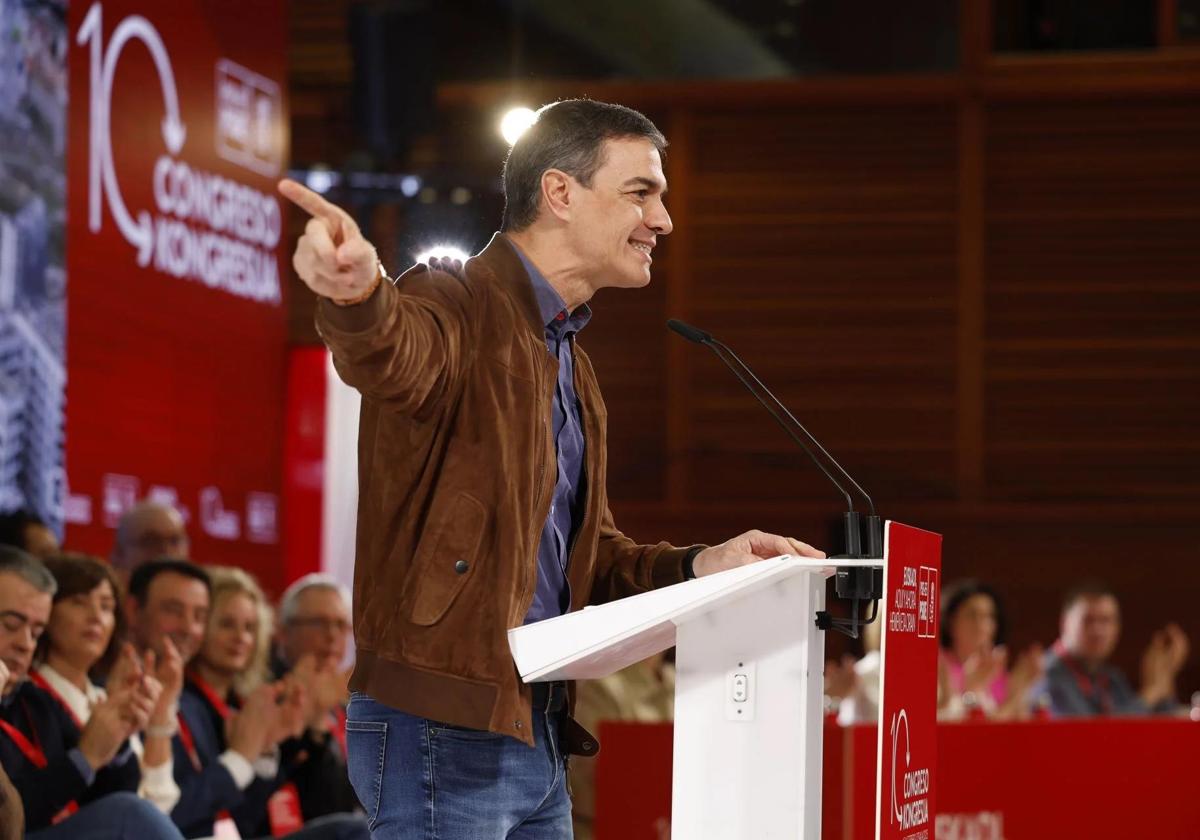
[[410, 185], [515, 122], [321, 180], [452, 252]]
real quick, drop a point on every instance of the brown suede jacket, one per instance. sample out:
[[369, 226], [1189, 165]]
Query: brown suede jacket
[[456, 468]]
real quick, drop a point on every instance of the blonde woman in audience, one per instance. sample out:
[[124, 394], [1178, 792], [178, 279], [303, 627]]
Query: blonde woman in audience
[[975, 681], [84, 643], [230, 713]]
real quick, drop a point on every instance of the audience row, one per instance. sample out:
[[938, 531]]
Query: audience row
[[162, 699], [979, 680]]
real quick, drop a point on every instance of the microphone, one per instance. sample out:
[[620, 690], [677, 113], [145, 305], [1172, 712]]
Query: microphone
[[692, 334], [857, 583], [774, 407]]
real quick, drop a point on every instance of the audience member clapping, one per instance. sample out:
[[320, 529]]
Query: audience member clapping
[[231, 717], [12, 812], [75, 776], [975, 679], [311, 643], [1080, 681], [853, 686], [84, 641]]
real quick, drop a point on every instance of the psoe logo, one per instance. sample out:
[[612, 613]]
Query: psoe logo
[[205, 227], [249, 112]]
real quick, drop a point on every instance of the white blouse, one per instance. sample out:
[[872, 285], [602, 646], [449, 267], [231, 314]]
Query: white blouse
[[158, 783]]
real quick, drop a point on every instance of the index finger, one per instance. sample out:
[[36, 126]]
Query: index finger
[[312, 203]]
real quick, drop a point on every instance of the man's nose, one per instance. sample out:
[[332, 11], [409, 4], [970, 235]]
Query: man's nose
[[25, 639], [660, 220]]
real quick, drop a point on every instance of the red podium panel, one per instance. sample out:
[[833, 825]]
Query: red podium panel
[[1098, 779], [908, 701]]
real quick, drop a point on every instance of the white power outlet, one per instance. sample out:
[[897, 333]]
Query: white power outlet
[[741, 691]]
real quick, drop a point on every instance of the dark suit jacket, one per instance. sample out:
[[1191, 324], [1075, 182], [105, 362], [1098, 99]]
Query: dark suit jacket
[[317, 766], [46, 791], [210, 789]]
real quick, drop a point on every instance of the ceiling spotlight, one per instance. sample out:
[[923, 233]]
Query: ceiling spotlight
[[443, 252], [515, 122], [320, 179]]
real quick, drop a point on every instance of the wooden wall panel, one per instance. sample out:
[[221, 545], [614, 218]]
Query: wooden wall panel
[[1093, 300], [827, 245]]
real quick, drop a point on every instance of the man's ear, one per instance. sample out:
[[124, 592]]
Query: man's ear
[[556, 192]]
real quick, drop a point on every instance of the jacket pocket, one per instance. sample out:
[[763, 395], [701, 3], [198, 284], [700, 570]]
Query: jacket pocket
[[445, 566]]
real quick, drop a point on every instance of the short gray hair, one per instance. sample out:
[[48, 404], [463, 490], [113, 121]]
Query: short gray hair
[[27, 567], [569, 136], [316, 580]]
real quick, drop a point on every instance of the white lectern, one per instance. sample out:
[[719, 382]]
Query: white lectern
[[748, 693]]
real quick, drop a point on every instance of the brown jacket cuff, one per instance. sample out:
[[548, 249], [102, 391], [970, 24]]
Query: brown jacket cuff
[[357, 317]]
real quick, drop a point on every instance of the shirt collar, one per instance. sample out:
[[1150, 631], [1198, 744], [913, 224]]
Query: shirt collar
[[81, 702], [550, 303]]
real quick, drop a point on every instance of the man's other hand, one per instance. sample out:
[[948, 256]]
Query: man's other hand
[[749, 547]]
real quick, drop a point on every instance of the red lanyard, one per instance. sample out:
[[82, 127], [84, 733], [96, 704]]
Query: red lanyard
[[189, 743], [185, 732], [189, 747], [1097, 686], [33, 752], [41, 682], [210, 694], [37, 757]]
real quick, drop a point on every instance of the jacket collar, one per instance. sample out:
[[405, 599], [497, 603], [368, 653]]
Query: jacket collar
[[500, 256]]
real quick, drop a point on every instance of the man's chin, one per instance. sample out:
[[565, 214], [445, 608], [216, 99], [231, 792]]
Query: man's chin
[[637, 278]]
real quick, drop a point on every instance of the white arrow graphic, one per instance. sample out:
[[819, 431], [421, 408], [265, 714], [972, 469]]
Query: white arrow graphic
[[138, 233], [902, 717]]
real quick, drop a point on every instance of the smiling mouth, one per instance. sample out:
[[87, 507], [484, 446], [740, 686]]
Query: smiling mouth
[[642, 247]]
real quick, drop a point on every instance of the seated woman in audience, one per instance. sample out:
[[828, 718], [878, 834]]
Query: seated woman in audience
[[75, 743], [84, 641], [232, 717], [974, 678]]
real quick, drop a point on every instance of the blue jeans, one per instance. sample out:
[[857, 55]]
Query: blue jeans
[[333, 827], [423, 780], [113, 817]]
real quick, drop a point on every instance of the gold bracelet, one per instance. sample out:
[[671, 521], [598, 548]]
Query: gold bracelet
[[379, 275]]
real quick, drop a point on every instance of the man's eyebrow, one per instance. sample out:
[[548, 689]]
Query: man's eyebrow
[[650, 183], [22, 616]]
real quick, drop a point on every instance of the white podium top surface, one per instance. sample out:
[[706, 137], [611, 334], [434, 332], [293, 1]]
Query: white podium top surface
[[597, 641]]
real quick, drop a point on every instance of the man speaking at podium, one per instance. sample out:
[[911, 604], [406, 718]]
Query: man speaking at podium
[[482, 458]]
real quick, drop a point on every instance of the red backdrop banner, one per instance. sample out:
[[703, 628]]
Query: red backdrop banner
[[176, 335]]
